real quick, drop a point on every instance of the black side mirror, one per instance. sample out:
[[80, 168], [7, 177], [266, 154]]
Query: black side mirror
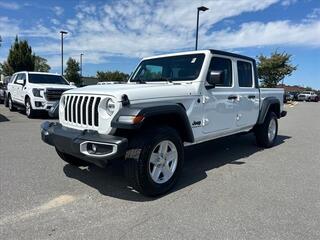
[[214, 78]]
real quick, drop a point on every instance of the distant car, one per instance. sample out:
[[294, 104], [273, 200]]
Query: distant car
[[308, 96], [105, 83], [288, 97], [3, 90]]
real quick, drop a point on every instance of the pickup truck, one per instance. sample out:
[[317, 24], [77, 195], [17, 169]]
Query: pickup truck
[[35, 91], [170, 101]]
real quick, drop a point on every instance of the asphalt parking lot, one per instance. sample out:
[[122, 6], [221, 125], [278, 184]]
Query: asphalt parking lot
[[229, 189]]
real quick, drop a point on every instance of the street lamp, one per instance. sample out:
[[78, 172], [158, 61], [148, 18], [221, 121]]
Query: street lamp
[[81, 54], [62, 33], [202, 9]]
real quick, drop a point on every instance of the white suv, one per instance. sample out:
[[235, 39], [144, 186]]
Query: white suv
[[36, 91]]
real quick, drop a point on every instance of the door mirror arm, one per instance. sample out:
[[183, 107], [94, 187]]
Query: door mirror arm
[[214, 78]]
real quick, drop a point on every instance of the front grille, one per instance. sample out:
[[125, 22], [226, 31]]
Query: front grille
[[82, 110], [53, 94]]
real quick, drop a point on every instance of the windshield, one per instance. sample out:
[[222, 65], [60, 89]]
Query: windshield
[[176, 68], [47, 79]]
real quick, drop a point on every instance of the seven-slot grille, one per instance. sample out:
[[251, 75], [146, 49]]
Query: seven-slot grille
[[53, 94], [82, 110]]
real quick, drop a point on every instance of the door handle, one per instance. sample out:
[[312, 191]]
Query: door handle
[[251, 96], [232, 97]]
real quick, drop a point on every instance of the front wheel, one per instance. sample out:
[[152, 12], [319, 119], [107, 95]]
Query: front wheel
[[154, 160], [29, 111], [267, 132]]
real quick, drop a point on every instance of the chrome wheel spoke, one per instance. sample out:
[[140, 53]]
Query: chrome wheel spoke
[[156, 172], [154, 158], [163, 147]]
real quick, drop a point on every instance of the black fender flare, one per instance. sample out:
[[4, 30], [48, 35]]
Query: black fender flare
[[265, 106], [154, 110]]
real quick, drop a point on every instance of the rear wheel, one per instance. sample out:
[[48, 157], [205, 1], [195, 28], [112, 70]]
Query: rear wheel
[[72, 160], [267, 132], [154, 160], [10, 104]]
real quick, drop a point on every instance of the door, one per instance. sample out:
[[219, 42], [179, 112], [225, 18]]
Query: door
[[219, 103], [18, 94], [248, 104]]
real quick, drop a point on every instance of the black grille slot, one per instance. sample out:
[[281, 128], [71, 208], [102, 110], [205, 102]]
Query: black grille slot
[[96, 113], [74, 106], [69, 108], [79, 109], [84, 110], [54, 94], [65, 108], [90, 111]]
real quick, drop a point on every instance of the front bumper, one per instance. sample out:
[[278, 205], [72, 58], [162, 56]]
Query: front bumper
[[75, 143]]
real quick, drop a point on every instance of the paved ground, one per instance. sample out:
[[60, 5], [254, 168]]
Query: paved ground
[[230, 189]]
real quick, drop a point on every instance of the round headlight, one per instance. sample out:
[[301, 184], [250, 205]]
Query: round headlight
[[110, 106]]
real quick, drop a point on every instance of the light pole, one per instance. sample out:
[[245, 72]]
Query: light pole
[[203, 9], [81, 54], [62, 32]]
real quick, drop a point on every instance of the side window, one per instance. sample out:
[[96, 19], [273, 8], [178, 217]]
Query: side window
[[223, 65], [18, 76], [244, 74]]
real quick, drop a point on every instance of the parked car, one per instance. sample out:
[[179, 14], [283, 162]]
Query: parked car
[[308, 96], [36, 91], [3, 90], [169, 102], [288, 97]]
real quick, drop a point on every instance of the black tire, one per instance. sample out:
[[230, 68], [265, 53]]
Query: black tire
[[6, 102], [28, 107], [138, 157], [72, 160], [261, 131], [10, 104]]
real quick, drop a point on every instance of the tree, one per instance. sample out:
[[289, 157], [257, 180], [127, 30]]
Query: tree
[[6, 69], [112, 76], [41, 65], [20, 56], [72, 71], [274, 69]]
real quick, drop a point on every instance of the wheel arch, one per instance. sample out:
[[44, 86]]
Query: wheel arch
[[269, 104], [173, 115]]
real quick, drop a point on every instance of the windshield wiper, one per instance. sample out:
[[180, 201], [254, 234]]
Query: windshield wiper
[[164, 79]]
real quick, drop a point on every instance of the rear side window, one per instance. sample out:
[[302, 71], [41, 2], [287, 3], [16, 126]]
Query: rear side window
[[222, 65], [244, 74]]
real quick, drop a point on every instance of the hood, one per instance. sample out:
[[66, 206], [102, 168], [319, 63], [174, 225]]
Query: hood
[[138, 91], [55, 86]]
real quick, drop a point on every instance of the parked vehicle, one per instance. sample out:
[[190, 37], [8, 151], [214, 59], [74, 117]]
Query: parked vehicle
[[36, 91], [169, 102], [3, 90], [308, 96], [288, 97]]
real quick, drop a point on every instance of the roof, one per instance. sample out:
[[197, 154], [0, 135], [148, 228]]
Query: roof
[[47, 73], [213, 51], [230, 54]]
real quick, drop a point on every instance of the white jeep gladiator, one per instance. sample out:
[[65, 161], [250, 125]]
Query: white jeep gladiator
[[170, 101], [35, 91]]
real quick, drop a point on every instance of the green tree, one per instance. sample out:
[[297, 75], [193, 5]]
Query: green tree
[[41, 64], [273, 69], [20, 56], [112, 76], [72, 71], [6, 69]]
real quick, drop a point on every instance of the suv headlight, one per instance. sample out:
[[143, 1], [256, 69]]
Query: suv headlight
[[110, 106], [37, 92]]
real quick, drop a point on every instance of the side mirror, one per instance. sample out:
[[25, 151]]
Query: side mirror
[[72, 84], [214, 78], [20, 81]]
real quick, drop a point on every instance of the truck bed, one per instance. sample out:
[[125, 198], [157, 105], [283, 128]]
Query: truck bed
[[273, 92]]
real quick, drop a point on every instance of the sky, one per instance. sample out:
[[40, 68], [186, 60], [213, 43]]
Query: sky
[[116, 34]]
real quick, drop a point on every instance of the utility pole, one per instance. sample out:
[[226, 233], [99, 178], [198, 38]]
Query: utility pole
[[62, 33], [202, 9]]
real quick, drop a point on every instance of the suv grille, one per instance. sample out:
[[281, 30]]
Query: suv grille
[[53, 94], [82, 110]]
